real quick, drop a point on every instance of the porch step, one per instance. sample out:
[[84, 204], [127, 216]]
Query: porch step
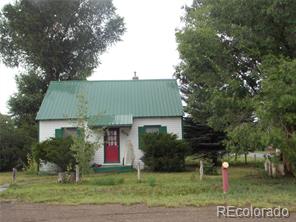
[[118, 169]]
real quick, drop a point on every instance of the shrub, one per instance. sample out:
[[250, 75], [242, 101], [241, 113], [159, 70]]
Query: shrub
[[151, 181], [55, 151], [163, 152]]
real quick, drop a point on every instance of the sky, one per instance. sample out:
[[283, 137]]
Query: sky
[[148, 47]]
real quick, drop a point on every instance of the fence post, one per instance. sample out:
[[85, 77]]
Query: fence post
[[13, 175], [201, 170], [77, 176], [139, 171]]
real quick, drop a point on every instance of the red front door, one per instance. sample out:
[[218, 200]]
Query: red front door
[[112, 146]]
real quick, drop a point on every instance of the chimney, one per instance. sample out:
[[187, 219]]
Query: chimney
[[135, 77]]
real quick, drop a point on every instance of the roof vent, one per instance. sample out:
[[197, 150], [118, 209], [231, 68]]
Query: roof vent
[[135, 77]]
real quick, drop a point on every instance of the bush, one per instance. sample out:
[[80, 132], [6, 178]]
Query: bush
[[55, 151], [151, 181], [163, 152]]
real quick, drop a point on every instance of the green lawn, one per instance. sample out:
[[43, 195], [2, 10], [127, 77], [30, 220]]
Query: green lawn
[[247, 186]]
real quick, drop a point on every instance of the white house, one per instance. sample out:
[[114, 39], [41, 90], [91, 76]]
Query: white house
[[125, 109]]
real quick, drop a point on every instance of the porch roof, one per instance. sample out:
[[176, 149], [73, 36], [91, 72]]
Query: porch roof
[[111, 120]]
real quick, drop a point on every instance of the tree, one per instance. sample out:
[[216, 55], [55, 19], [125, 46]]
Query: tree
[[222, 47], [14, 144], [277, 106], [243, 139], [55, 40], [203, 140], [62, 38], [26, 102], [82, 147]]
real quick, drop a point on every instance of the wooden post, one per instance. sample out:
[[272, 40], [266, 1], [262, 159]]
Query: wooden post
[[255, 157], [139, 172], [266, 166], [201, 171], [13, 175], [77, 176]]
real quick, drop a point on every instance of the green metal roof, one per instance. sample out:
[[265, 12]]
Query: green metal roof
[[117, 99]]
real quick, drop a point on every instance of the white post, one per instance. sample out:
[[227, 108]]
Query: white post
[[13, 175], [139, 171], [77, 177], [201, 171], [266, 166]]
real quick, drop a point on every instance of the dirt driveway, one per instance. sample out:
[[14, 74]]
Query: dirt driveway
[[20, 212]]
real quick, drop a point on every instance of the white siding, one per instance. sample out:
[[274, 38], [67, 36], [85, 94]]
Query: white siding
[[173, 124]]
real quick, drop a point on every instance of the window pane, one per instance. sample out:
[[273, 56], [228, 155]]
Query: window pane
[[152, 130]]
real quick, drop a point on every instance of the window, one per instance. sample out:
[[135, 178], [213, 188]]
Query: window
[[152, 129], [69, 132], [65, 132]]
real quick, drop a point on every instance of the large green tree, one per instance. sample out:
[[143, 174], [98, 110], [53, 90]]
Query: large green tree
[[63, 38], [222, 47], [25, 103], [277, 107], [14, 143]]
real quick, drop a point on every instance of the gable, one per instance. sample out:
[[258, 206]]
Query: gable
[[136, 98]]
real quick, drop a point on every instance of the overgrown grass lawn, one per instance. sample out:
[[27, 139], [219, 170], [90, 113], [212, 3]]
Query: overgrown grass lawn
[[247, 186]]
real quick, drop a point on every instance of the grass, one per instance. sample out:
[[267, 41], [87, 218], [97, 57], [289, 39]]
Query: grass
[[248, 185]]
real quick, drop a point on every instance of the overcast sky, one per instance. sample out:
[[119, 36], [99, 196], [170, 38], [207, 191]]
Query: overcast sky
[[148, 46]]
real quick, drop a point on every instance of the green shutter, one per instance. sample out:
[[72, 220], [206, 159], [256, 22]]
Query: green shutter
[[141, 131], [78, 131], [59, 133], [163, 129]]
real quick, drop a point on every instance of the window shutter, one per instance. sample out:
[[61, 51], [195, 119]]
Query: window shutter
[[141, 131], [163, 129], [78, 131], [59, 133]]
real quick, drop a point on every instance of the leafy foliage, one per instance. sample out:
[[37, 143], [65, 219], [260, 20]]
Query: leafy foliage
[[163, 152], [243, 139], [226, 71], [62, 38], [24, 104], [15, 143], [203, 140], [277, 105], [55, 151], [83, 149]]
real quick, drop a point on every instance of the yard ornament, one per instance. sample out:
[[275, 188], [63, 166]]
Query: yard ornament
[[225, 166]]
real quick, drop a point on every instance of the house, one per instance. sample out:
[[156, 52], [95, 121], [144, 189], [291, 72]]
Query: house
[[125, 109]]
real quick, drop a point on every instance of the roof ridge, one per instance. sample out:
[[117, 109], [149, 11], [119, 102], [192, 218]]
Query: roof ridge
[[118, 80]]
